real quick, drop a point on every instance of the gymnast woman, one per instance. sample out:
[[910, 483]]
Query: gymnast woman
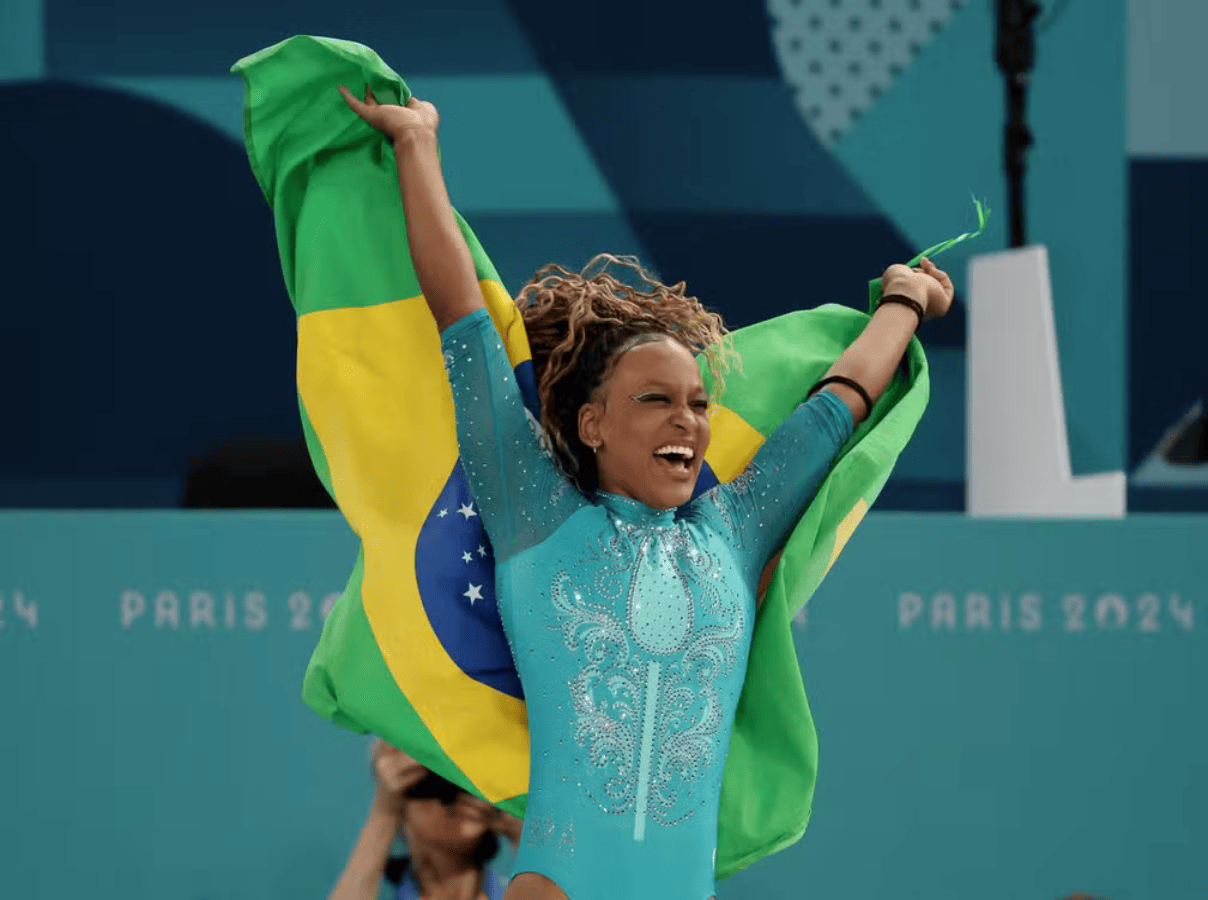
[[628, 605]]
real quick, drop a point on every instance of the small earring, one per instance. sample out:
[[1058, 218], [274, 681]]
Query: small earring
[[595, 448]]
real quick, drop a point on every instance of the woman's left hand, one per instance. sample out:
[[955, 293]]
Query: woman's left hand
[[926, 283]]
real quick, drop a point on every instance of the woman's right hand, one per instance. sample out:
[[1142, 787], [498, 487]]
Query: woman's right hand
[[418, 117]]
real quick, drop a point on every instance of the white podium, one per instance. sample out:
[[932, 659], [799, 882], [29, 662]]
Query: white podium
[[1018, 450]]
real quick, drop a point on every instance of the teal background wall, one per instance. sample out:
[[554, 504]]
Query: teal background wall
[[1008, 710], [688, 140]]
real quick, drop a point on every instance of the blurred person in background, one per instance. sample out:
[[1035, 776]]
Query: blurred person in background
[[451, 838]]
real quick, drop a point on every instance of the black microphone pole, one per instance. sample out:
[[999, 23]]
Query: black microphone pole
[[1015, 52]]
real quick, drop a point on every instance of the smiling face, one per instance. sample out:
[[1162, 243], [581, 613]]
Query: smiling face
[[649, 425]]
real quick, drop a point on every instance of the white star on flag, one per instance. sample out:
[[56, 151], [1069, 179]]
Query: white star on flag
[[442, 513], [474, 593], [467, 510], [482, 551], [466, 557]]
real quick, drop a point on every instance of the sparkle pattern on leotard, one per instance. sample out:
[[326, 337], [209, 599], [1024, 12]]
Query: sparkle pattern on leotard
[[652, 647]]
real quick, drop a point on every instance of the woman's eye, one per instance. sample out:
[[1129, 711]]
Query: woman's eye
[[702, 405]]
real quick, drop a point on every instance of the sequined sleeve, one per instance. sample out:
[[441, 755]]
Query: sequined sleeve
[[761, 506], [521, 495]]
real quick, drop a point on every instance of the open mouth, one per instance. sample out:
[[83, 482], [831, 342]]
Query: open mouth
[[676, 456]]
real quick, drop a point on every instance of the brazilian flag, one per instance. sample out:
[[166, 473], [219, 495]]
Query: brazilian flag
[[408, 653]]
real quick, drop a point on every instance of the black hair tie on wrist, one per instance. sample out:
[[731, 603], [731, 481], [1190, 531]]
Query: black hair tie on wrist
[[843, 379], [905, 301]]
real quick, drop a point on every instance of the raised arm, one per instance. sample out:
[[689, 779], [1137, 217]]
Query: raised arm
[[518, 491], [762, 505], [874, 356], [442, 260]]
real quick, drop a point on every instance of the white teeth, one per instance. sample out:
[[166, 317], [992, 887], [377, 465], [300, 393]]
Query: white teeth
[[686, 452]]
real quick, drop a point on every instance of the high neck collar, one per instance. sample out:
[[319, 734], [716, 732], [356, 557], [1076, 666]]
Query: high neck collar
[[635, 512]]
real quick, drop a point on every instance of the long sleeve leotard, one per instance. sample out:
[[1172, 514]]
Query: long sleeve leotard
[[630, 628]]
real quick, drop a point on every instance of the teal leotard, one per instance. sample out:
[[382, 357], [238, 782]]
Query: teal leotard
[[630, 628]]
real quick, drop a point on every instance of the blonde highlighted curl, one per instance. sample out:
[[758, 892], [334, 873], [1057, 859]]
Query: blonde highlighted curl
[[579, 325]]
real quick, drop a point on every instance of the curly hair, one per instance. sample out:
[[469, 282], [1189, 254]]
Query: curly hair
[[579, 325]]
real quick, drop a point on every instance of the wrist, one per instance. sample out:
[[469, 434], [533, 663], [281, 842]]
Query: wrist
[[901, 311], [412, 140], [913, 288], [384, 812]]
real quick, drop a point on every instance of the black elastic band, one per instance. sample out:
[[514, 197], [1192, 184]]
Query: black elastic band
[[843, 379], [905, 301]]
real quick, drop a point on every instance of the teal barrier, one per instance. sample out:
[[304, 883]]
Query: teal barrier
[[1007, 710]]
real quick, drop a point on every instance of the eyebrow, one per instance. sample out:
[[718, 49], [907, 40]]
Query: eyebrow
[[661, 387]]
